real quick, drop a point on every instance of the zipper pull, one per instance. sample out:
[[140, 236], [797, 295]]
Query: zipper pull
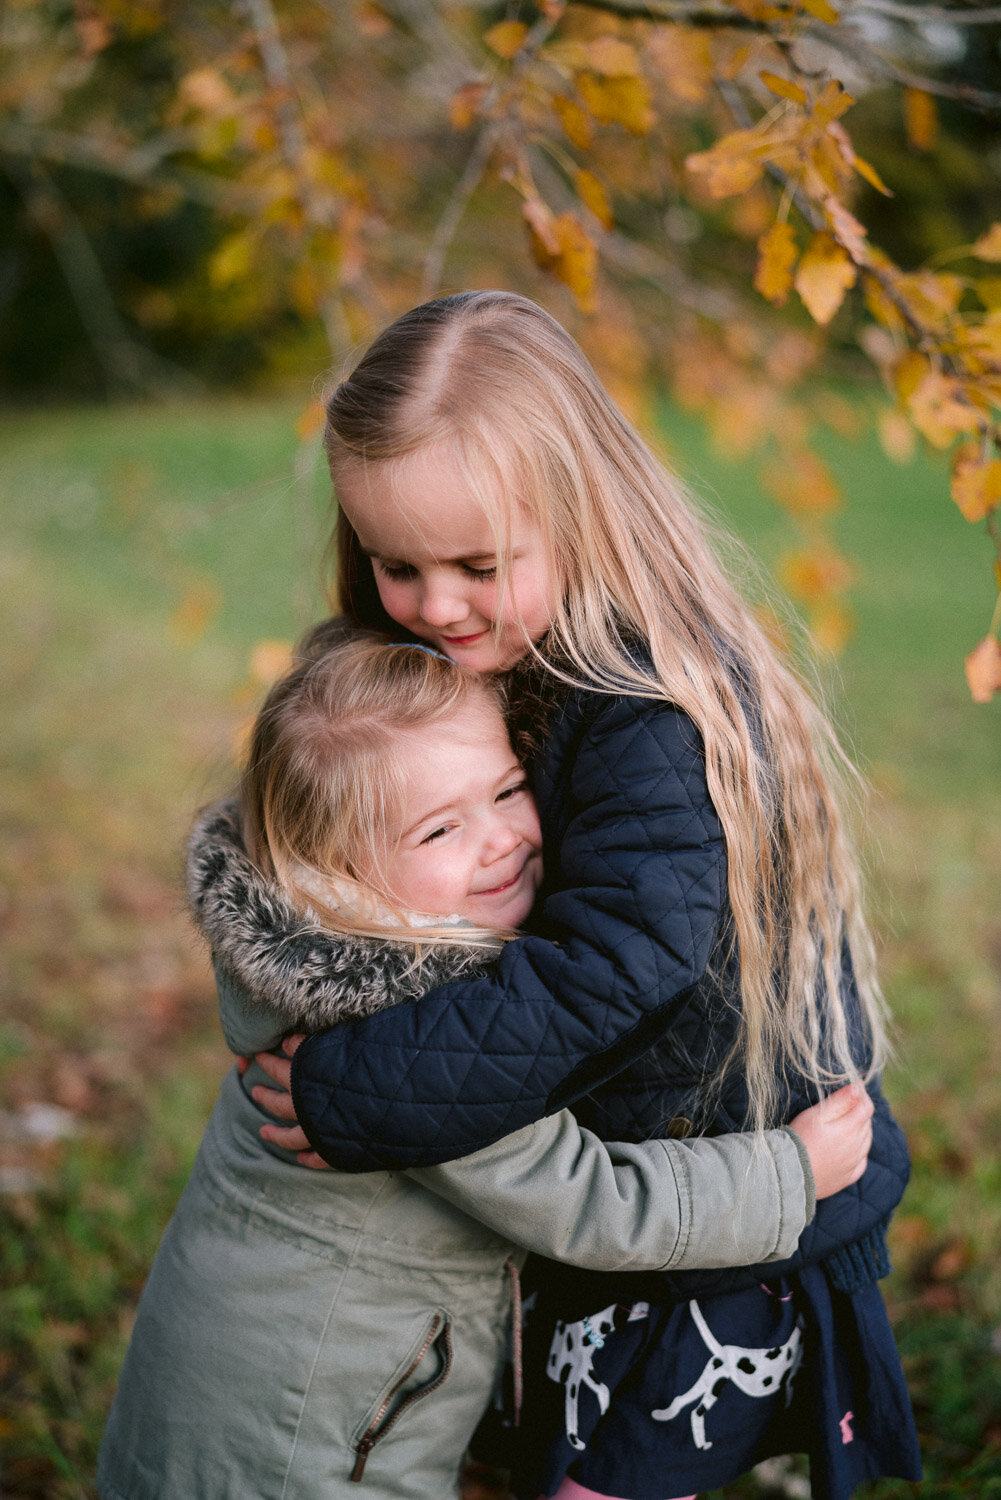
[[363, 1450]]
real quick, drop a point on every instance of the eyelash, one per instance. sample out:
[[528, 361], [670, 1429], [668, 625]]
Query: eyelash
[[402, 572], [437, 834], [511, 791]]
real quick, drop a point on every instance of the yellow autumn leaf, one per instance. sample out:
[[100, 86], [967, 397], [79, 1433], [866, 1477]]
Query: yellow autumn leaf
[[777, 252], [311, 421], [611, 57], [783, 87], [814, 575], [976, 482], [920, 119], [896, 435], [940, 411], [575, 121], [683, 57], [988, 247], [881, 305], [464, 105], [908, 373], [592, 193], [824, 275], [832, 104], [983, 669], [728, 167], [232, 260], [621, 101], [506, 38], [821, 11], [577, 262], [849, 232], [803, 484], [269, 660], [831, 626], [866, 170], [194, 611], [542, 231], [733, 59], [206, 90]]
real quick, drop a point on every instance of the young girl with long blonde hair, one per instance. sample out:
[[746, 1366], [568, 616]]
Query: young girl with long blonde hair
[[700, 959], [303, 1333]]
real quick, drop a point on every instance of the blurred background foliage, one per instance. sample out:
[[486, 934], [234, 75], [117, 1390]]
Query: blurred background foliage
[[206, 207]]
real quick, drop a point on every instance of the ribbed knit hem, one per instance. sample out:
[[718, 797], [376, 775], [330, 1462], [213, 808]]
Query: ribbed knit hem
[[851, 1267]]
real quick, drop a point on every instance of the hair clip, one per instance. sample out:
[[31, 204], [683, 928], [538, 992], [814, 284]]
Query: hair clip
[[416, 646]]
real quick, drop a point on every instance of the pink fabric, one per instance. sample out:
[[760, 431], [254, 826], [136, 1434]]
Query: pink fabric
[[571, 1490]]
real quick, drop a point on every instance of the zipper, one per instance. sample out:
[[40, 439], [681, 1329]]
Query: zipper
[[380, 1423]]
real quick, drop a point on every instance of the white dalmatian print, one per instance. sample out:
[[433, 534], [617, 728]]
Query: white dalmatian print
[[571, 1361], [755, 1372]]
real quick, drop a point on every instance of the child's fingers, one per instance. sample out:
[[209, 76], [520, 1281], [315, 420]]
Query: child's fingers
[[277, 1069], [312, 1159], [290, 1047], [852, 1097], [289, 1137], [274, 1101]]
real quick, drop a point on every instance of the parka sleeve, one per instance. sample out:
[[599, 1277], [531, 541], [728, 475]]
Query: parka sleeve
[[555, 1188], [641, 873]]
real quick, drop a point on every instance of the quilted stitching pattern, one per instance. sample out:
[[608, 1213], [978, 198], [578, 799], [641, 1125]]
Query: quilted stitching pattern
[[642, 875], [619, 1018]]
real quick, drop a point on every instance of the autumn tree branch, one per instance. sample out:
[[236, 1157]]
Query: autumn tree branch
[[128, 366], [450, 220]]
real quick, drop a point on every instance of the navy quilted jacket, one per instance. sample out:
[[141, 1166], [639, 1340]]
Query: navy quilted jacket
[[619, 1002]]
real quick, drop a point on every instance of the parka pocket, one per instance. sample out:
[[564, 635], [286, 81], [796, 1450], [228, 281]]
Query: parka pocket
[[422, 1371]]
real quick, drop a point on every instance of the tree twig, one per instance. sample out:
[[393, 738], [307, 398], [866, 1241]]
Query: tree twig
[[450, 220], [682, 11], [278, 72], [982, 99], [141, 165], [128, 366], [956, 16]]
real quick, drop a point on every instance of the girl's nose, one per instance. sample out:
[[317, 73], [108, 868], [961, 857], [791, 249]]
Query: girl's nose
[[441, 605], [501, 840]]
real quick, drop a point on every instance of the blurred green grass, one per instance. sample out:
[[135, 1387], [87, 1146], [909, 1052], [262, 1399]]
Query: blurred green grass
[[146, 552]]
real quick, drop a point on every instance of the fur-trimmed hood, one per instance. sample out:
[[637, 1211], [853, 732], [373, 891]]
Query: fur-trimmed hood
[[306, 977]]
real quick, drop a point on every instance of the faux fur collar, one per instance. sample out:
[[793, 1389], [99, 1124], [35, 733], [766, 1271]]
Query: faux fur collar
[[306, 977]]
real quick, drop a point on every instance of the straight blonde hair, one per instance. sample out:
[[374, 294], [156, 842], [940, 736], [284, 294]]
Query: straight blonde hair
[[500, 384], [321, 794]]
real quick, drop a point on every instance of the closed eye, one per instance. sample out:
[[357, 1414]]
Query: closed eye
[[512, 791], [429, 838], [484, 575], [395, 570]]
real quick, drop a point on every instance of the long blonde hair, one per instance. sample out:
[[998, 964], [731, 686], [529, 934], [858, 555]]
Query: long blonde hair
[[524, 415], [321, 794]]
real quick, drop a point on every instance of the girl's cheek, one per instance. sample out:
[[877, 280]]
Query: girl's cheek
[[393, 598]]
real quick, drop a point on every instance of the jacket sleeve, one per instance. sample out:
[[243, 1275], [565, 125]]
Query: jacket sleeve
[[556, 1189], [641, 875]]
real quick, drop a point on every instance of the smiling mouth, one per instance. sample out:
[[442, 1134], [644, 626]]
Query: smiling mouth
[[499, 890], [463, 640]]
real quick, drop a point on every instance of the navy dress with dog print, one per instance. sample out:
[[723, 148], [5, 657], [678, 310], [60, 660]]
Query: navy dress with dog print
[[649, 1400]]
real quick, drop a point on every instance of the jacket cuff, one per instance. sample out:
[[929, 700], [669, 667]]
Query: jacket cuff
[[809, 1185]]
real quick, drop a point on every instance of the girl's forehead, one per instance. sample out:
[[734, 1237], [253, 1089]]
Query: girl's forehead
[[425, 505]]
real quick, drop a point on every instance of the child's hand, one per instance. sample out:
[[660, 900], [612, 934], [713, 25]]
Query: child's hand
[[837, 1134], [278, 1101]]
